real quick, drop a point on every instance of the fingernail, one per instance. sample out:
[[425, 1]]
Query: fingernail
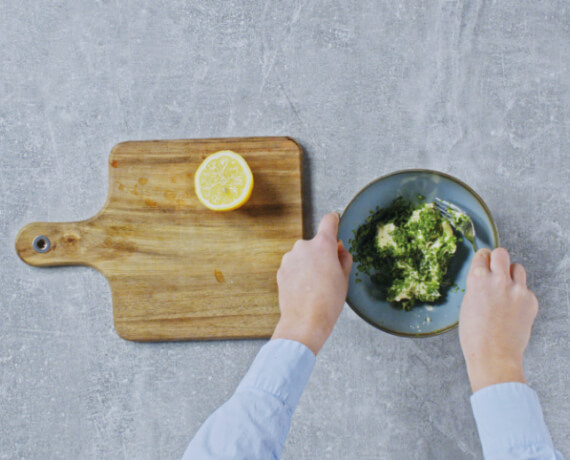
[[338, 215]]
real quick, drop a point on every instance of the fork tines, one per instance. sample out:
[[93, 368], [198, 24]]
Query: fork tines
[[440, 203], [442, 207]]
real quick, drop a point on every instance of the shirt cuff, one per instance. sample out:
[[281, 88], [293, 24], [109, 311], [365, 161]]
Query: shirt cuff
[[508, 415], [282, 367]]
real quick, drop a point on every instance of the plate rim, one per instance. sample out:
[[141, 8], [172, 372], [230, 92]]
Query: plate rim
[[453, 179]]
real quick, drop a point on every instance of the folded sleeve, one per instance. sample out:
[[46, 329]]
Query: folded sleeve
[[510, 423], [254, 422]]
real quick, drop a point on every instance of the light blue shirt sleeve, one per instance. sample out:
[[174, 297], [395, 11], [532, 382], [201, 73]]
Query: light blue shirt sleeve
[[510, 423], [254, 422]]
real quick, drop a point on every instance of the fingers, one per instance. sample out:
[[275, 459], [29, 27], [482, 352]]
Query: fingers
[[328, 227], [518, 274], [345, 259], [500, 261], [480, 264]]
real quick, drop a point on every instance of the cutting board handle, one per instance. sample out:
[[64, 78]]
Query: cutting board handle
[[44, 244]]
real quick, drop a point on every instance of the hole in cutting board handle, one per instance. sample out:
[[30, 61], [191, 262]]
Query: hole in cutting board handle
[[36, 243], [41, 244]]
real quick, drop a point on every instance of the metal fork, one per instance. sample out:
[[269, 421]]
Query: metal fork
[[467, 228]]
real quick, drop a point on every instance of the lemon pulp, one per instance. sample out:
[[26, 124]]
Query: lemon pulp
[[223, 181]]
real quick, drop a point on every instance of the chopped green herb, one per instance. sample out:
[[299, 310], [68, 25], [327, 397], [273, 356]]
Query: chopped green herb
[[405, 249]]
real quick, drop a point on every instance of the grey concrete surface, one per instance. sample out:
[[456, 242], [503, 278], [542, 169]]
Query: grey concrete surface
[[478, 89]]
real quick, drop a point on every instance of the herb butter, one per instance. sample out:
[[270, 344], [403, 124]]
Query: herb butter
[[405, 249]]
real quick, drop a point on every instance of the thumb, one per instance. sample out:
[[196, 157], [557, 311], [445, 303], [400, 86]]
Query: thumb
[[329, 225], [345, 259]]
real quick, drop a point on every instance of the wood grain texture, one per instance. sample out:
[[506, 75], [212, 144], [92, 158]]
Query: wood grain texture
[[177, 270]]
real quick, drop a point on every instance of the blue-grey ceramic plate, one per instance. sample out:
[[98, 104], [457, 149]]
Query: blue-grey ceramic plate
[[424, 319]]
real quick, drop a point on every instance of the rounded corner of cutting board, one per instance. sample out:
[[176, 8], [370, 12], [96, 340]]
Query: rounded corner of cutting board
[[125, 333], [122, 148], [118, 146], [296, 145]]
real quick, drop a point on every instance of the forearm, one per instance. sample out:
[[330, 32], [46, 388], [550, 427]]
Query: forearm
[[255, 421]]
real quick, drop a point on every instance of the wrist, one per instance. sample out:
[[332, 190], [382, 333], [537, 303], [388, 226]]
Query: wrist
[[487, 371], [312, 337]]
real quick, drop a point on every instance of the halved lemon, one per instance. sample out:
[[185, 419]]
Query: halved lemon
[[223, 181]]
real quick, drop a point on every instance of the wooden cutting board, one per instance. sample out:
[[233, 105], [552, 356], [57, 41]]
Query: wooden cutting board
[[177, 270]]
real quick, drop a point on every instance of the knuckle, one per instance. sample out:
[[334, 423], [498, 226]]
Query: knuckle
[[534, 301], [501, 278], [284, 259], [298, 244], [283, 270], [479, 272], [519, 291]]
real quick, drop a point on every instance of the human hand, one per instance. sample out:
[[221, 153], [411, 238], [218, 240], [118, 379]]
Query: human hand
[[496, 319], [313, 283]]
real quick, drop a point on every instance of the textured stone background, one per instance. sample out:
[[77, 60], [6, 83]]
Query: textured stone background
[[478, 89]]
